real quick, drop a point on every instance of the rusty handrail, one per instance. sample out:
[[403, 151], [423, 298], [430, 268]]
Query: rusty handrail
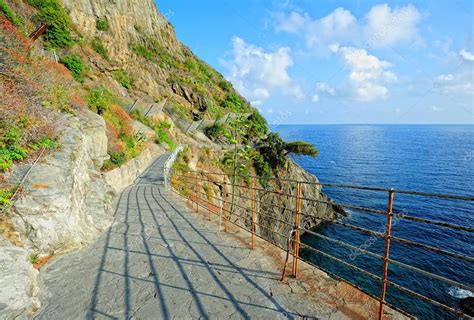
[[191, 182]]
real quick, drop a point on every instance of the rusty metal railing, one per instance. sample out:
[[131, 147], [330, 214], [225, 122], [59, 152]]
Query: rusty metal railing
[[196, 187]]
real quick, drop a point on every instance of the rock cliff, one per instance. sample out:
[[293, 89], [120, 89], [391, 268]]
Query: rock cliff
[[65, 202]]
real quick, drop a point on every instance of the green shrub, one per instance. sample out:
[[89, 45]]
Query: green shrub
[[8, 12], [5, 195], [117, 158], [272, 150], [262, 169], [46, 143], [75, 64], [10, 148], [57, 97], [99, 47], [225, 85], [99, 99], [123, 79], [215, 131], [258, 124], [102, 24], [234, 103], [301, 148], [51, 12], [142, 51]]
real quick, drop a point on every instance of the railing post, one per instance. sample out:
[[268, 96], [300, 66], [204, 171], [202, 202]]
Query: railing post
[[252, 206], [225, 212], [296, 245], [196, 193], [209, 201], [388, 234]]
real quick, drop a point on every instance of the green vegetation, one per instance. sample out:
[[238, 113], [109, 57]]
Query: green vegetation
[[225, 85], [234, 103], [8, 12], [99, 47], [215, 131], [161, 134], [142, 51], [51, 12], [160, 127], [57, 97], [75, 64], [123, 79], [258, 125], [13, 148], [5, 195], [33, 258], [301, 148], [102, 24], [99, 99], [262, 169]]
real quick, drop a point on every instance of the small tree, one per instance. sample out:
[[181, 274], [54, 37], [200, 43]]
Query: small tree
[[301, 148]]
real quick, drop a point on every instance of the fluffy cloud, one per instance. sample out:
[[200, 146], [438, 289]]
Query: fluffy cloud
[[291, 23], [457, 84], [466, 55], [382, 26], [368, 74], [331, 29], [386, 27], [256, 73], [315, 98]]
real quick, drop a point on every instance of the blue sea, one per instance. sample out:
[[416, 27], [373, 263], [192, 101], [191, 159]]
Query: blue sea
[[427, 158]]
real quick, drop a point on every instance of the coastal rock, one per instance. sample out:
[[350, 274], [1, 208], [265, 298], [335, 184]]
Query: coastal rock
[[467, 306], [65, 202], [18, 282]]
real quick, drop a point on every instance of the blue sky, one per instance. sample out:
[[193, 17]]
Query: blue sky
[[328, 62]]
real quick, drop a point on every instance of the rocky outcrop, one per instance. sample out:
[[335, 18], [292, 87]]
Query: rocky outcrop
[[66, 202], [18, 282], [130, 22]]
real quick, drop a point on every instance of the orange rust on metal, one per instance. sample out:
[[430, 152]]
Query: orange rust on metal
[[388, 234], [225, 213], [40, 186], [296, 244], [252, 204], [196, 193], [39, 31]]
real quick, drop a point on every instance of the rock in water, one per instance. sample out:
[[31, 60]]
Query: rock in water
[[467, 306]]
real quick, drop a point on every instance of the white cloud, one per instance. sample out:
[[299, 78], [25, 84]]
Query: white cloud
[[325, 88], [466, 55], [331, 29], [382, 26], [461, 83], [256, 73], [445, 77], [436, 109], [291, 23], [368, 74], [386, 27], [315, 98]]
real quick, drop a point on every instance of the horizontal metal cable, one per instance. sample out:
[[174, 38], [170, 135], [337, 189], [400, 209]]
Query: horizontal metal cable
[[358, 187], [427, 299], [349, 206], [342, 243], [356, 286], [399, 215], [430, 248], [435, 222], [377, 234], [431, 275], [341, 261]]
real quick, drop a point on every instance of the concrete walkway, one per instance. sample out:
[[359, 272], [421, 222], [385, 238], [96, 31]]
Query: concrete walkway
[[160, 260]]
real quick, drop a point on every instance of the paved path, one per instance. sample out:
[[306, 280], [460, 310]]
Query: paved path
[[160, 260]]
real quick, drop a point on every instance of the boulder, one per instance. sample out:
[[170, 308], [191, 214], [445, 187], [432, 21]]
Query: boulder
[[18, 282], [65, 202]]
